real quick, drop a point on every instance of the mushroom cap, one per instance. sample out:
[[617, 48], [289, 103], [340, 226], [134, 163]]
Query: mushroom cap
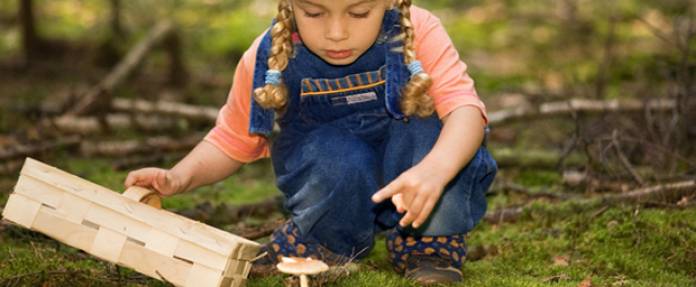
[[301, 266]]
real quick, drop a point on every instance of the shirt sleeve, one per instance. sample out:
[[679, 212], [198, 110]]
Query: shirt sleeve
[[452, 86], [231, 131]]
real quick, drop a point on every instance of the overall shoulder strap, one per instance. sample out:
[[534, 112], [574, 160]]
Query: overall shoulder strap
[[397, 72], [261, 120]]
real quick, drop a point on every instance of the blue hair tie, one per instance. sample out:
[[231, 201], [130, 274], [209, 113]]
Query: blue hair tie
[[416, 68], [273, 77]]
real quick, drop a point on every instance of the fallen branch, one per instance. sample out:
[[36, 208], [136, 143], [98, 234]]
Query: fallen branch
[[649, 195], [92, 125], [123, 148], [510, 214], [189, 112], [224, 214], [255, 233], [575, 106], [22, 151], [129, 163], [624, 160], [506, 187], [662, 192], [535, 159], [101, 93]]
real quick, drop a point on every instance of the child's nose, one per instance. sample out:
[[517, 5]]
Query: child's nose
[[337, 31]]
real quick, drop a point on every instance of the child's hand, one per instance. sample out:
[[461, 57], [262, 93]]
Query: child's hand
[[415, 192], [161, 180]]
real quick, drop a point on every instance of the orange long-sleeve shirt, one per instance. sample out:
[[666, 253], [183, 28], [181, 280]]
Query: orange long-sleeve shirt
[[452, 88]]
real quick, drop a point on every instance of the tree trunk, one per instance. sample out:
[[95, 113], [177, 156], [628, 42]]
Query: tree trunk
[[30, 41], [116, 28], [178, 75]]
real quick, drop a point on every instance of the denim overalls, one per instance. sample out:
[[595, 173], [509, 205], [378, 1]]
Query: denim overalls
[[342, 138]]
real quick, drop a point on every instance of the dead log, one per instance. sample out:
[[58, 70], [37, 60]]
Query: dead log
[[536, 159], [30, 39], [662, 192], [129, 163], [99, 96], [129, 147], [189, 112], [579, 106], [22, 151], [510, 187], [224, 214], [255, 233], [92, 125], [648, 195]]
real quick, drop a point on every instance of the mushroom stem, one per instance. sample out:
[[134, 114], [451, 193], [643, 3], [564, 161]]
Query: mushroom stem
[[304, 281]]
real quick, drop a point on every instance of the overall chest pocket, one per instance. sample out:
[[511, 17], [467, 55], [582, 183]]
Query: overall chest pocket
[[324, 100]]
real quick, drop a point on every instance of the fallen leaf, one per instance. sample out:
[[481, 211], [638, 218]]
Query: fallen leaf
[[683, 202], [556, 278], [561, 260], [574, 178], [586, 283]]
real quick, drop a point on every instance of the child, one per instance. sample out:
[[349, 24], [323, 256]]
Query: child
[[354, 86]]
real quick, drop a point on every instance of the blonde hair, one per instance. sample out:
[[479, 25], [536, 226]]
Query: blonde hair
[[414, 100], [273, 96]]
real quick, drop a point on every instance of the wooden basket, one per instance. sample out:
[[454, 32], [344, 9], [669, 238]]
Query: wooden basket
[[119, 229]]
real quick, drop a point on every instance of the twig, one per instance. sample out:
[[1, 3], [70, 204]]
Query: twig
[[567, 108], [669, 191], [659, 34], [665, 192], [509, 186], [101, 92], [600, 211], [624, 160], [536, 159], [190, 112], [122, 148], [261, 232], [161, 277], [144, 160], [17, 278], [510, 214], [21, 151], [92, 125]]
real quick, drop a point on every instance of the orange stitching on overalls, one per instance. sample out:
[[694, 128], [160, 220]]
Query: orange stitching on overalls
[[345, 90], [308, 85]]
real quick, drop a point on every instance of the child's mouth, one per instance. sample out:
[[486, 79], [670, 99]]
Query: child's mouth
[[339, 55]]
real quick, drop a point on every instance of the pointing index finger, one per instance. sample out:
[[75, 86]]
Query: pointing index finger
[[387, 192]]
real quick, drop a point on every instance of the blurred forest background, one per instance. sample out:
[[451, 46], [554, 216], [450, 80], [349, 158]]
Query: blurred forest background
[[592, 107]]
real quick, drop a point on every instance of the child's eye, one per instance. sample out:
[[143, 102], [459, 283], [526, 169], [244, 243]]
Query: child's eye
[[360, 15], [312, 15]]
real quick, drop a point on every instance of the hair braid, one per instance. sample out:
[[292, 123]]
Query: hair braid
[[275, 96], [414, 100]]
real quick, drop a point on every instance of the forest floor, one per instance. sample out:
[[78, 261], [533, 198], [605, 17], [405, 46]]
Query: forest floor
[[553, 243]]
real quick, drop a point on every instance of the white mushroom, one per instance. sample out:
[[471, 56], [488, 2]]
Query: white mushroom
[[302, 267]]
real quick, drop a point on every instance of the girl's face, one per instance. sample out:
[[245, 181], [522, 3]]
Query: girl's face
[[339, 31]]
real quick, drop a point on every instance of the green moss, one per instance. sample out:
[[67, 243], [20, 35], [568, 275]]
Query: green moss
[[536, 178], [650, 247], [252, 183]]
